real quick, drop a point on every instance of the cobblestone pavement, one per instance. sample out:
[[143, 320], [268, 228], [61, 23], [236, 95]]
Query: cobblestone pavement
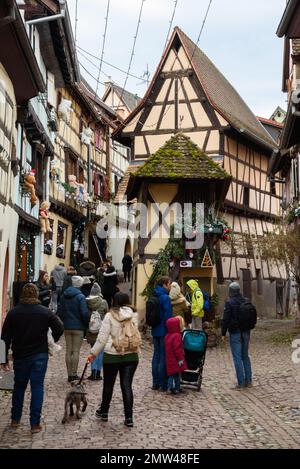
[[265, 416]]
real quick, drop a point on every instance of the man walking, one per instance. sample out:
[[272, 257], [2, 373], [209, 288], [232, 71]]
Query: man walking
[[238, 318], [159, 376], [25, 330], [73, 310]]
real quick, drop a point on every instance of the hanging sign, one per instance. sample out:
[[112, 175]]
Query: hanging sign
[[184, 264], [207, 262]]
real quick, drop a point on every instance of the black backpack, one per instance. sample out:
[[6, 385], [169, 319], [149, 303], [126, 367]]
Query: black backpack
[[247, 316], [153, 312]]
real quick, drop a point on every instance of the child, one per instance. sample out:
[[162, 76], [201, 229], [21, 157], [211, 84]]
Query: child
[[98, 308], [174, 353]]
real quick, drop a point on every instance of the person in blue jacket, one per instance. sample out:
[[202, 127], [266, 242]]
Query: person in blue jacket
[[74, 312], [159, 375]]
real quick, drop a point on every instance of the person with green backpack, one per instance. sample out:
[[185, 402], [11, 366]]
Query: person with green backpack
[[197, 303]]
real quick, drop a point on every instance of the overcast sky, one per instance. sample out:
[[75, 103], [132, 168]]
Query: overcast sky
[[239, 37]]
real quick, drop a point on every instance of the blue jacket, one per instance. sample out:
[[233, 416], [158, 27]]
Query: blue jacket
[[165, 311], [73, 310]]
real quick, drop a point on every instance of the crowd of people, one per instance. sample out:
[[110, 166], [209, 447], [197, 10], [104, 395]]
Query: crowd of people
[[87, 304]]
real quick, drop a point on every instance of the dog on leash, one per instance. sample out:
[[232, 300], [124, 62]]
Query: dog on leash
[[75, 396]]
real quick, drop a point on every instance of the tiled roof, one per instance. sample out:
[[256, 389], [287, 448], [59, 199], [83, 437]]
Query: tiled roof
[[180, 158], [124, 183], [131, 100], [221, 94], [270, 122]]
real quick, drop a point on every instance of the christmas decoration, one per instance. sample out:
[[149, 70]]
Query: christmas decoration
[[44, 217], [206, 262], [29, 183]]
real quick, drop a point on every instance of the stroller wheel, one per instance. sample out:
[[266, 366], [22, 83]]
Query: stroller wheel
[[199, 382]]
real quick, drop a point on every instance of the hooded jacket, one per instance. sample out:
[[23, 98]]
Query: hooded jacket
[[110, 328], [59, 274], [87, 269], [179, 304], [165, 311], [73, 310], [197, 299], [174, 348], [110, 281]]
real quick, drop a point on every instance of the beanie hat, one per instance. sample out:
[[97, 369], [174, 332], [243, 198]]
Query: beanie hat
[[30, 294], [96, 290], [77, 281], [234, 289]]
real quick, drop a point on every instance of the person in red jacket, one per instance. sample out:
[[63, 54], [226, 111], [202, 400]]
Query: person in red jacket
[[175, 361]]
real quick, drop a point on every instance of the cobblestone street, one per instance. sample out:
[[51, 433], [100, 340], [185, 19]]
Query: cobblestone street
[[266, 416]]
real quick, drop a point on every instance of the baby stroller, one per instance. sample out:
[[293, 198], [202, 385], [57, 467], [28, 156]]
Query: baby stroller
[[194, 344]]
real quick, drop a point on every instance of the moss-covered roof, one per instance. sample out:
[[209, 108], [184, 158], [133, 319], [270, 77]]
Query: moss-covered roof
[[180, 158]]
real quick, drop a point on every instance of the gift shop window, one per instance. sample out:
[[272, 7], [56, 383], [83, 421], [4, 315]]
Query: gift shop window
[[61, 240], [48, 240]]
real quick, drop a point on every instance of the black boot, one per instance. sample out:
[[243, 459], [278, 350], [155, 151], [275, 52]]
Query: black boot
[[92, 377], [98, 376]]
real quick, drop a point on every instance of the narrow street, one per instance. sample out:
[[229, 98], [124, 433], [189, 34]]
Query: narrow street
[[266, 416]]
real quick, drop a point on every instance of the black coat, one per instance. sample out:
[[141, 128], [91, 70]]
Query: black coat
[[86, 269], [110, 282], [127, 263], [45, 290]]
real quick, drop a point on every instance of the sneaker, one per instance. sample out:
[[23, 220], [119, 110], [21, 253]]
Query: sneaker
[[14, 423], [238, 387], [128, 422], [36, 428], [101, 416], [249, 385]]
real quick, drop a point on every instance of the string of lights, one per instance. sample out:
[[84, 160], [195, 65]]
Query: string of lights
[[109, 64], [171, 22], [133, 49], [103, 45]]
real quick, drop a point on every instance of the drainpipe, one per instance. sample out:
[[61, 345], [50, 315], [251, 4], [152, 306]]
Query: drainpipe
[[47, 19]]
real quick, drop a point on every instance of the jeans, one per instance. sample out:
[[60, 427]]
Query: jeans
[[31, 369], [110, 372], [97, 363], [239, 343], [74, 340], [174, 382], [159, 375]]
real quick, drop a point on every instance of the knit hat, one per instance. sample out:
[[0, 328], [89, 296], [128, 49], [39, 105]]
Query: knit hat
[[175, 291], [77, 281], [234, 289], [95, 290], [30, 294]]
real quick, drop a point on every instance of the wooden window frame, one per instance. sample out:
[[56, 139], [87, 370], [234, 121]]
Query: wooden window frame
[[62, 225]]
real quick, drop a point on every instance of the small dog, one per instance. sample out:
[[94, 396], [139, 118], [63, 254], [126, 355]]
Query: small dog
[[75, 396]]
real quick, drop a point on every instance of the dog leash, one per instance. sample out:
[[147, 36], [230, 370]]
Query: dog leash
[[84, 370]]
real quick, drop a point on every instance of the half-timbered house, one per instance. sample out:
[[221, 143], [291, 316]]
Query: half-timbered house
[[188, 93]]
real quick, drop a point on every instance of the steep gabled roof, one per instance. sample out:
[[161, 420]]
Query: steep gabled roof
[[219, 92], [119, 198], [180, 158], [129, 99]]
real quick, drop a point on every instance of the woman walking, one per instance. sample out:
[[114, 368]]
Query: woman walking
[[45, 288], [118, 358], [110, 283]]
